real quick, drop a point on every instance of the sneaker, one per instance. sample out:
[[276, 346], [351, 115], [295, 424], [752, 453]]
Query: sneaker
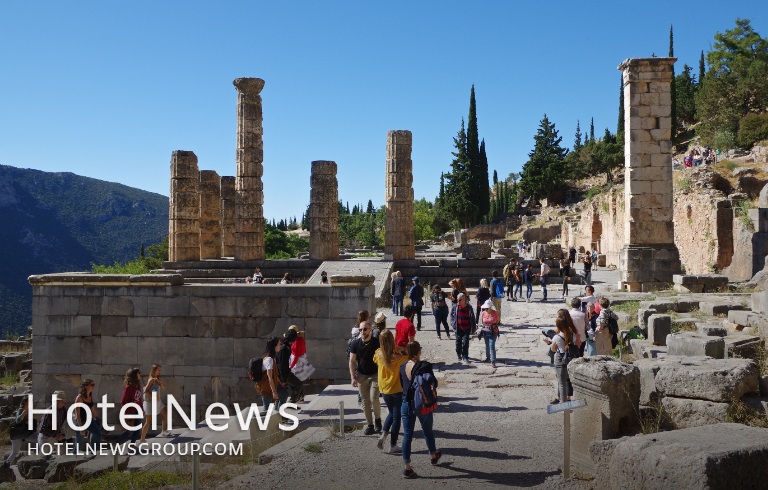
[[380, 443], [439, 338], [528, 300], [409, 474], [436, 457], [460, 359], [467, 361], [377, 422], [395, 449], [493, 365], [369, 431], [555, 401], [449, 336]]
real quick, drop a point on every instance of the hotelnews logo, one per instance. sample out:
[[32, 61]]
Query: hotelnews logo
[[131, 418]]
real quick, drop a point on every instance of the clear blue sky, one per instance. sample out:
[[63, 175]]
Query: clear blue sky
[[109, 89]]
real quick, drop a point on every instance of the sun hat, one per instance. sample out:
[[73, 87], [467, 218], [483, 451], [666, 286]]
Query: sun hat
[[488, 305], [60, 396], [380, 318]]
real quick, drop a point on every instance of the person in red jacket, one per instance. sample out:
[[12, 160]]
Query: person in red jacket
[[132, 393]]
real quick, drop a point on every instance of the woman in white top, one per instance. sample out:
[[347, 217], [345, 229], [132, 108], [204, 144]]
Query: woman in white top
[[559, 344], [151, 411]]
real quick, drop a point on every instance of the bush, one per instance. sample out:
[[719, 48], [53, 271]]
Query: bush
[[724, 140], [752, 128]]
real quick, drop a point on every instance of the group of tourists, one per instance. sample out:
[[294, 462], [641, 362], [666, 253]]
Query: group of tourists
[[258, 278], [698, 156]]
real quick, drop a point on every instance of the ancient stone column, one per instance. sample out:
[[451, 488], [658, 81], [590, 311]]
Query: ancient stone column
[[324, 212], [249, 212], [228, 197], [210, 215], [649, 257], [184, 211], [399, 240]]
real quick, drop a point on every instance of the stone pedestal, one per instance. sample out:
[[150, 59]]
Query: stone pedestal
[[324, 212], [399, 239], [612, 391], [210, 215], [228, 197], [650, 257], [184, 210], [249, 207]]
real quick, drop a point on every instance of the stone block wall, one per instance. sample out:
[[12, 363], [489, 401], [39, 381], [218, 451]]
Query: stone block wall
[[98, 326], [600, 224]]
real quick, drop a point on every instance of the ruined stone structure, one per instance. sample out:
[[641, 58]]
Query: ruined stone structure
[[649, 257], [184, 212], [249, 207], [210, 215], [228, 197], [399, 239], [324, 211]]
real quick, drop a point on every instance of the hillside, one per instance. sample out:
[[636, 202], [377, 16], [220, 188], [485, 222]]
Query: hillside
[[54, 222]]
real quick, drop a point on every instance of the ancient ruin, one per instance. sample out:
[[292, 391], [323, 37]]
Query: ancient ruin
[[399, 240], [184, 213], [324, 211], [228, 200], [210, 215]]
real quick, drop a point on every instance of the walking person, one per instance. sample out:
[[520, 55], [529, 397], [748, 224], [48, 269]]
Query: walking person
[[528, 280], [405, 331], [489, 319], [497, 290], [464, 324], [594, 259], [269, 387], [19, 431], [416, 295], [572, 255], [151, 411], [132, 394], [565, 273], [518, 276], [559, 344], [398, 293], [509, 278], [416, 371], [438, 301], [483, 294], [543, 278], [364, 376], [588, 269], [283, 360], [392, 292], [46, 433], [389, 360], [85, 396]]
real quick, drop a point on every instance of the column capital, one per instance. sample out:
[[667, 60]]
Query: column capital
[[643, 64], [251, 86]]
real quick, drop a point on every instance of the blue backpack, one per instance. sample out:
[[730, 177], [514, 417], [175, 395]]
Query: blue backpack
[[423, 390]]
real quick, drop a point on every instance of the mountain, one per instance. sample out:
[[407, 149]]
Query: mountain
[[61, 222]]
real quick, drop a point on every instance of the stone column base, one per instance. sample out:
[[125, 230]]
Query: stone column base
[[648, 267]]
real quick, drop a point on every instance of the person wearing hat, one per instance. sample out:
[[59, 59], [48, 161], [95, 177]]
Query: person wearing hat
[[299, 364], [379, 322], [47, 434], [489, 319], [283, 359], [416, 294]]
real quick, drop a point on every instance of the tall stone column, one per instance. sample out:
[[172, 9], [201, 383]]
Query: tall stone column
[[228, 196], [324, 212], [184, 211], [649, 257], [249, 206], [210, 215], [399, 238]]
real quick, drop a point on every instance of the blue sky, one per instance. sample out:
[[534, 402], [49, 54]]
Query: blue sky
[[108, 90]]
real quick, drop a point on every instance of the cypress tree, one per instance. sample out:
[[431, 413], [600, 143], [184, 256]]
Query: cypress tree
[[460, 186], [620, 125], [591, 129], [702, 71], [441, 195], [484, 194], [370, 209], [673, 91], [543, 171], [577, 138], [495, 178]]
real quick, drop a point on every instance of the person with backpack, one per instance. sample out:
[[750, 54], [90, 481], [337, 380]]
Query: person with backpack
[[388, 359], [483, 294], [564, 348], [419, 402], [440, 310], [464, 323], [46, 433], [497, 290], [606, 333], [363, 374], [283, 360], [509, 278], [405, 331], [266, 378], [416, 295]]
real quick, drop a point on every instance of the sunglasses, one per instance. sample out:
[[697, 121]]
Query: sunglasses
[[365, 329]]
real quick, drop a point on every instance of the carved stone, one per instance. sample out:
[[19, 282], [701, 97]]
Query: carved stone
[[184, 212], [228, 197], [324, 212], [399, 238], [210, 215]]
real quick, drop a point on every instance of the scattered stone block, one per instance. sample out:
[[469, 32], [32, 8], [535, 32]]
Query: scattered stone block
[[693, 344], [659, 326], [683, 413], [763, 385], [6, 474], [717, 380], [33, 467], [646, 349], [699, 283], [642, 317], [719, 308], [720, 456], [476, 251], [742, 345], [62, 468], [710, 330]]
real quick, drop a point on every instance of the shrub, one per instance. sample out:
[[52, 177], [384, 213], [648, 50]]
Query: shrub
[[724, 140], [752, 128]]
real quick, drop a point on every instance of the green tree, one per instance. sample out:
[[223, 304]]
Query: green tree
[[592, 130], [459, 189], [702, 68], [543, 171], [484, 194], [577, 138], [620, 124], [370, 209], [685, 87], [495, 177]]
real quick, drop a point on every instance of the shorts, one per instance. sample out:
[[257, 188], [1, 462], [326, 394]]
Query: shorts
[[159, 408]]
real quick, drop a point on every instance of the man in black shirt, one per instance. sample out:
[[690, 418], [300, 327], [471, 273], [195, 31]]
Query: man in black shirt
[[283, 359], [364, 375]]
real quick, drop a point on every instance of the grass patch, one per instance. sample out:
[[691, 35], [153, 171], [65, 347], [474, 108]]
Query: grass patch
[[742, 212], [741, 413], [626, 306], [9, 380], [313, 448], [129, 481], [684, 184], [678, 327], [728, 165], [594, 191]]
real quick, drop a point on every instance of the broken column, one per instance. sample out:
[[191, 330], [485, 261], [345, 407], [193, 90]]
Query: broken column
[[228, 195], [184, 210], [399, 239], [210, 215], [324, 212], [249, 212], [649, 257]]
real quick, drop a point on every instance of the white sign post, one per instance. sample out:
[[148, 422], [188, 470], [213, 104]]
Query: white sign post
[[566, 408]]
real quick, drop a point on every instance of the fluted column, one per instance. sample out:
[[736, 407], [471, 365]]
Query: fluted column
[[228, 196], [324, 212], [399, 239], [184, 210]]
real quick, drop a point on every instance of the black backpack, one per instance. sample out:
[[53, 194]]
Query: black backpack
[[613, 326], [254, 368]]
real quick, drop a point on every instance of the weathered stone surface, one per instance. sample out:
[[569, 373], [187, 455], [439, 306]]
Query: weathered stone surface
[[324, 211], [62, 468], [646, 349], [719, 307], [693, 344], [399, 240], [642, 316], [33, 467], [100, 465], [745, 346], [476, 251], [659, 326], [7, 474], [682, 413], [710, 330], [183, 236], [719, 380]]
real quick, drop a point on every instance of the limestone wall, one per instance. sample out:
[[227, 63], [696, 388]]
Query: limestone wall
[[98, 326], [703, 232], [599, 226]]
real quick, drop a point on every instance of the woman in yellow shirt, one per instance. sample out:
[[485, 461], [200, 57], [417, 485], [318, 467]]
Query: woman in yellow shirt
[[389, 361]]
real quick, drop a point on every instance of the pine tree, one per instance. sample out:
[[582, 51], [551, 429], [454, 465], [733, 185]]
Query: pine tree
[[441, 195], [476, 165], [369, 209], [702, 68], [620, 125], [460, 186], [484, 194], [591, 130], [673, 94], [577, 138], [495, 177], [543, 171]]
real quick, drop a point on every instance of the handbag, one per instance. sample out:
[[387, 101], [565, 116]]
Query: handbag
[[303, 369]]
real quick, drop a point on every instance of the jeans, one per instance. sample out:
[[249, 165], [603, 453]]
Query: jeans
[[282, 396], [528, 290], [296, 386], [518, 290], [94, 430], [441, 317], [564, 387], [543, 282], [417, 309], [588, 278], [409, 422], [510, 288], [490, 347], [368, 386], [565, 285], [397, 305], [462, 344], [394, 404]]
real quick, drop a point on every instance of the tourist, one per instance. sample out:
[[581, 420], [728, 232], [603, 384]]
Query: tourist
[[528, 280], [398, 290], [132, 394], [579, 319], [46, 433], [283, 359], [85, 396], [588, 268], [591, 316], [589, 298], [364, 376], [154, 383], [543, 276], [258, 278], [416, 295], [688, 160], [565, 272], [389, 359], [269, 387], [323, 277], [379, 323], [299, 364], [287, 278], [408, 372], [19, 432], [518, 275], [464, 324], [497, 290], [604, 341], [483, 294], [509, 278], [404, 329], [489, 319], [559, 344], [440, 310], [594, 260], [572, 255]]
